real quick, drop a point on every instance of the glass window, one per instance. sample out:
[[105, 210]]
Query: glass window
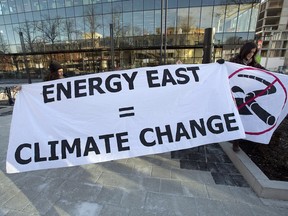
[[137, 5], [107, 8], [4, 8], [12, 6], [183, 3], [52, 4], [107, 20], [53, 13], [138, 23], [127, 5], [21, 17], [29, 16], [35, 5], [194, 17], [253, 19], [158, 5], [20, 7], [14, 18], [78, 2], [158, 22], [197, 3], [149, 27], [171, 4], [7, 19], [127, 24], [27, 5], [171, 21], [68, 3], [218, 18], [231, 18], [98, 9], [149, 4], [182, 23], [117, 6], [43, 5], [206, 17], [70, 12], [36, 15], [78, 11], [80, 27], [10, 35], [60, 3], [61, 12]]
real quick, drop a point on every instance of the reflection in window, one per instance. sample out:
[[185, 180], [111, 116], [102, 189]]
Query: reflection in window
[[183, 3], [107, 8], [4, 9], [137, 5], [43, 5], [253, 18], [7, 19], [61, 12], [127, 5], [231, 18], [14, 18], [36, 16], [171, 21], [78, 11], [70, 12], [117, 6], [171, 4], [35, 5], [218, 18], [206, 17], [183, 21], [107, 19], [149, 27], [26, 5], [52, 4], [12, 7], [138, 23], [68, 3], [127, 21], [149, 4]]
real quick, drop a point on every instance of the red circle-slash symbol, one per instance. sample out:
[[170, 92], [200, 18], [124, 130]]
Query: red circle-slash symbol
[[260, 98]]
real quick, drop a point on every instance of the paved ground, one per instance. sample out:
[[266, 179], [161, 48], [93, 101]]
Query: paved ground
[[171, 184]]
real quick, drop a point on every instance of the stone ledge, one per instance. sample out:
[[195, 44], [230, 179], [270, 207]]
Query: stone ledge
[[257, 180]]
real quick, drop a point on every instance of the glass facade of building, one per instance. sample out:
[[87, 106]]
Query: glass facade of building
[[88, 35]]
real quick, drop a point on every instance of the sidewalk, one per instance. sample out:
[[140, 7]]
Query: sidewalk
[[144, 186]]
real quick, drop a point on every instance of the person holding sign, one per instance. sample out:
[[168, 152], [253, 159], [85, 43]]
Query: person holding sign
[[247, 57], [56, 71]]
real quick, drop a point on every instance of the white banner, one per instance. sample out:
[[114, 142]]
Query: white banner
[[261, 98], [122, 114]]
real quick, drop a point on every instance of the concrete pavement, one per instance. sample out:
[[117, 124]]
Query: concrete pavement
[[144, 186]]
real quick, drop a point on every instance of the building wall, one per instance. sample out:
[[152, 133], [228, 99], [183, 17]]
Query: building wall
[[55, 28], [272, 31]]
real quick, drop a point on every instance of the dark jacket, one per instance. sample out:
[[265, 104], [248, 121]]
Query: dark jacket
[[253, 63]]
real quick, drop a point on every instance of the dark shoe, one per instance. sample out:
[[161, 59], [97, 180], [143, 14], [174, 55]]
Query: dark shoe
[[236, 147]]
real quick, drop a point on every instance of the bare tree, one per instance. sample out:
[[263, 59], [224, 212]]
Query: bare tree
[[70, 30], [50, 28], [4, 49], [92, 25], [29, 34], [117, 27]]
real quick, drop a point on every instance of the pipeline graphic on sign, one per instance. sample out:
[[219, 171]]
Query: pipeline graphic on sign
[[248, 105]]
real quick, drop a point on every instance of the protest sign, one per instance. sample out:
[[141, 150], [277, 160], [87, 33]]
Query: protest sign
[[261, 98], [121, 114]]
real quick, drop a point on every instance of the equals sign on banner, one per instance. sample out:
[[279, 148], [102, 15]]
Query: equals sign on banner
[[126, 111]]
